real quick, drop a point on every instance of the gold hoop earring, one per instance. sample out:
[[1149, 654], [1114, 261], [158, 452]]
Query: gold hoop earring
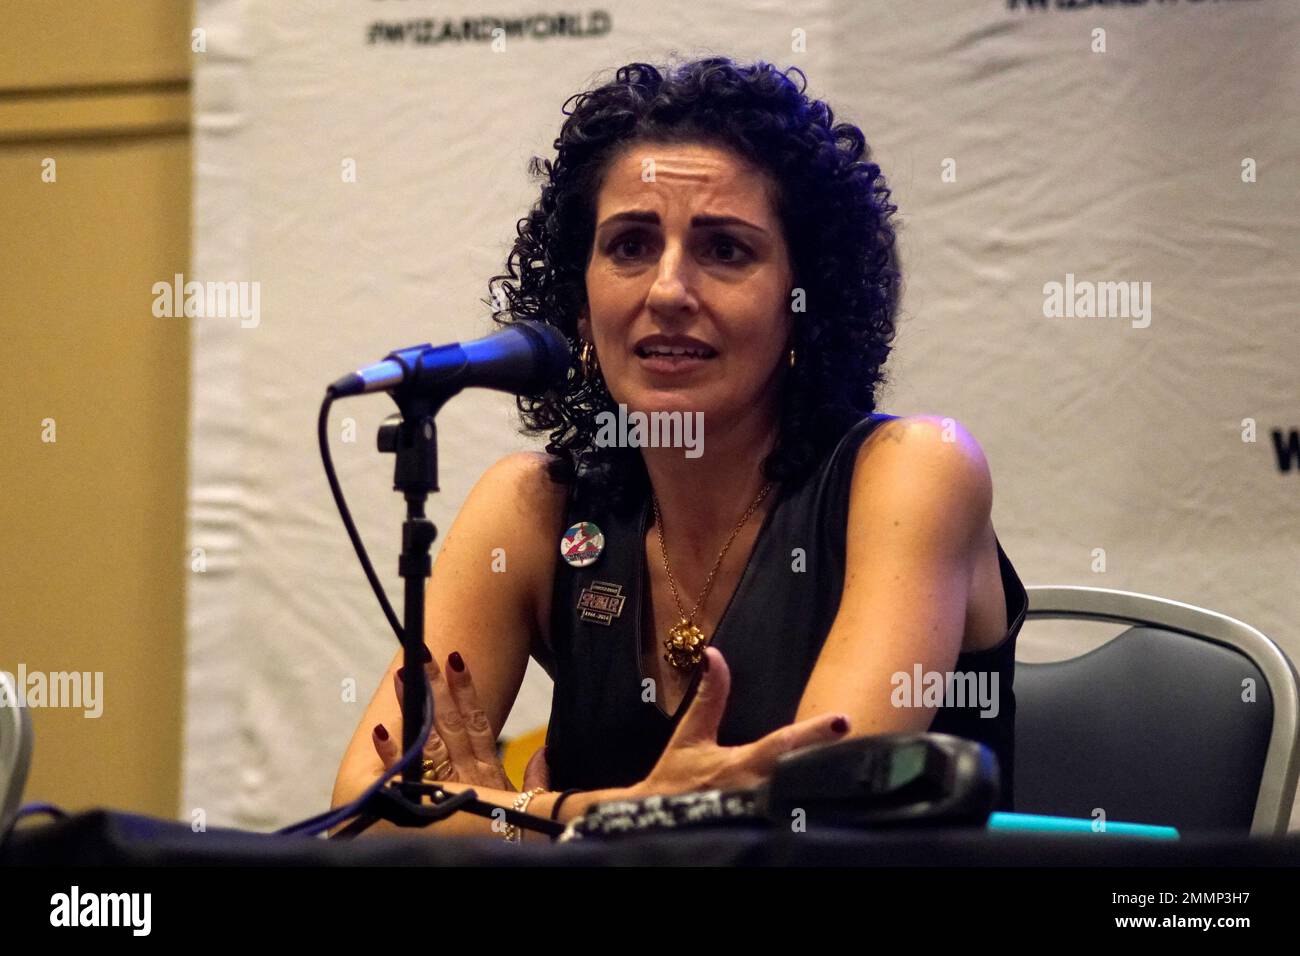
[[588, 360]]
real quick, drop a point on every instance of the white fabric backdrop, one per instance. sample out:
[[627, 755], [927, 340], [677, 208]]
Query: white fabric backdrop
[[1123, 165]]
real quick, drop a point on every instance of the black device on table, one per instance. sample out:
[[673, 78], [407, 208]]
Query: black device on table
[[882, 781]]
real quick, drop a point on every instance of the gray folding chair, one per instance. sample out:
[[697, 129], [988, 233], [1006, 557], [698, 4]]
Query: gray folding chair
[[1153, 726], [15, 751]]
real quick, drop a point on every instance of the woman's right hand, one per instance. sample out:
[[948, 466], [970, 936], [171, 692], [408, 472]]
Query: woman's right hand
[[693, 759]]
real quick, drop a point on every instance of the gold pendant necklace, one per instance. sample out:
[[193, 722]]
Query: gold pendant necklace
[[684, 646]]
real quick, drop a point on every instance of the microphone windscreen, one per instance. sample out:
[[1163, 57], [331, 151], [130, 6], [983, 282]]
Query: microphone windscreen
[[551, 358]]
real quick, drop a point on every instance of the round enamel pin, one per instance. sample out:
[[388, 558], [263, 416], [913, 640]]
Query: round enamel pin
[[582, 544]]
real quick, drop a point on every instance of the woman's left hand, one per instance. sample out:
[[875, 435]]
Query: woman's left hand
[[461, 744]]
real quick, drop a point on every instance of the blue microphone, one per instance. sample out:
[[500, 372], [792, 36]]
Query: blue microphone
[[525, 358]]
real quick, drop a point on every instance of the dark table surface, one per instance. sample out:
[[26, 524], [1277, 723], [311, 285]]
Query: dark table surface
[[111, 838]]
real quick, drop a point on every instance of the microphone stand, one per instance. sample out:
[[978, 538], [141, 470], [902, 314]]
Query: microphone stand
[[411, 434]]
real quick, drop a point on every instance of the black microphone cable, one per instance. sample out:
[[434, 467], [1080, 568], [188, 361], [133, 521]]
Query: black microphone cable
[[324, 821]]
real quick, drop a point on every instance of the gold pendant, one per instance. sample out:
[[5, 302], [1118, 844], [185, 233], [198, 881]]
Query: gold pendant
[[685, 645]]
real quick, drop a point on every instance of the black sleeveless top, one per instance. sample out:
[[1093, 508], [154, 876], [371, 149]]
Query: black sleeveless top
[[604, 733]]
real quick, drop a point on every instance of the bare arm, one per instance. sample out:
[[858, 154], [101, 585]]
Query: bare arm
[[482, 601], [919, 506]]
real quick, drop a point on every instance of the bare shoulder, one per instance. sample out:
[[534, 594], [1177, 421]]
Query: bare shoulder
[[926, 443], [929, 463], [527, 471], [510, 521], [518, 491]]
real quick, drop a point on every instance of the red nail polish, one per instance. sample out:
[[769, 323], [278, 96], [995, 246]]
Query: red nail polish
[[401, 674], [381, 732], [457, 663], [425, 654], [840, 725]]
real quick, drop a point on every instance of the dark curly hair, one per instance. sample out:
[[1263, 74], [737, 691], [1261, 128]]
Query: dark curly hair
[[833, 207]]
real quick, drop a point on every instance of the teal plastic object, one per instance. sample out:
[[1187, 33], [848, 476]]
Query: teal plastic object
[[1041, 824]]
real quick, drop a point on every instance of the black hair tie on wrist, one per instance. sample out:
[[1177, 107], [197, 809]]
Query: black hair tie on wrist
[[555, 807]]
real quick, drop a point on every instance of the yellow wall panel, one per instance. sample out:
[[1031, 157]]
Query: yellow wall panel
[[92, 525], [78, 43]]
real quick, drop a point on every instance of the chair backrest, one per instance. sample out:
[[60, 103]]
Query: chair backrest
[[1188, 718], [15, 751]]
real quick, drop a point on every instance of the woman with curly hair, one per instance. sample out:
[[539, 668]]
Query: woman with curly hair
[[716, 249]]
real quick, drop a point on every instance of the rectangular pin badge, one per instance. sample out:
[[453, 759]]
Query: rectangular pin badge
[[601, 602]]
